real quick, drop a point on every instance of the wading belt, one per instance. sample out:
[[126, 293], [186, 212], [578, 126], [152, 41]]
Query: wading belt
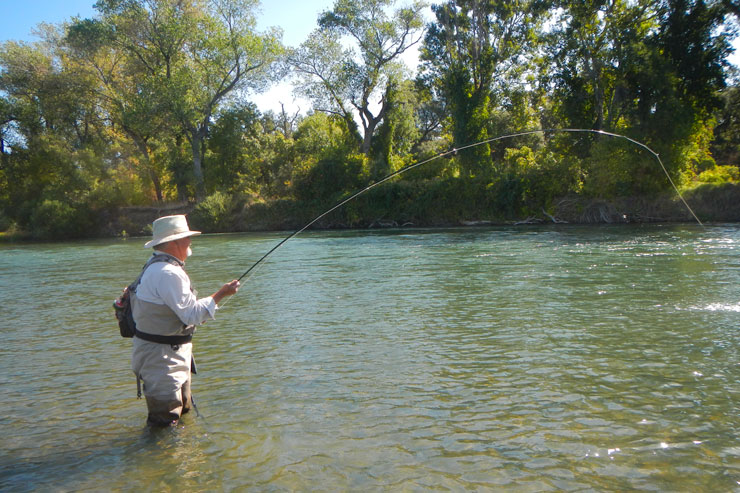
[[171, 340]]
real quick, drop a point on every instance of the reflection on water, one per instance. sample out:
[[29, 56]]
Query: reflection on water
[[524, 359]]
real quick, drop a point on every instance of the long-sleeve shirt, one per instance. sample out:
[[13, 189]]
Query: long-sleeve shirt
[[167, 284]]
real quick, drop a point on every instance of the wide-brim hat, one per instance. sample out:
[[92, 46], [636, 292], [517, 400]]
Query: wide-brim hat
[[169, 228]]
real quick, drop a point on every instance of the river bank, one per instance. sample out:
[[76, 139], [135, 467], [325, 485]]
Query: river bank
[[709, 203]]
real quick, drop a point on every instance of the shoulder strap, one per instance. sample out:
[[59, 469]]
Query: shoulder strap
[[153, 260]]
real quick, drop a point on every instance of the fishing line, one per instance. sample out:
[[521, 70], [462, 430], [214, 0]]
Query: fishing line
[[453, 151]]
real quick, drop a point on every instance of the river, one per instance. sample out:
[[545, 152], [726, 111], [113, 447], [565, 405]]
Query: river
[[560, 358]]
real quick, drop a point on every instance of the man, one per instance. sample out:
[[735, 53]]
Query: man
[[166, 311]]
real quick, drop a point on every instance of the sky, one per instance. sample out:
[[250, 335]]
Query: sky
[[20, 17]]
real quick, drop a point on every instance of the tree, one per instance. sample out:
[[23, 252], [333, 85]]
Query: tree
[[233, 130], [182, 59], [226, 57], [355, 84], [131, 56], [594, 44], [650, 70], [694, 38], [726, 144], [471, 55], [50, 137], [398, 133]]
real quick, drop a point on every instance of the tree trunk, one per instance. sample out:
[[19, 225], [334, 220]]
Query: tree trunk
[[367, 140], [144, 149], [370, 123], [196, 144], [157, 185]]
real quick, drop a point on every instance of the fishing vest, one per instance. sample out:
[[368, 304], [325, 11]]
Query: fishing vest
[[158, 323]]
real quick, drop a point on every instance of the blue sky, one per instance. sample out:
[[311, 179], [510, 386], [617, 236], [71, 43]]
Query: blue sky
[[18, 18]]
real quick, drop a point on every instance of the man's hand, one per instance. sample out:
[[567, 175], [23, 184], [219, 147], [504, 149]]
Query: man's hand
[[228, 289]]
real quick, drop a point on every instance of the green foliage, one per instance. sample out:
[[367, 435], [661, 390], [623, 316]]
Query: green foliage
[[469, 57], [350, 82], [56, 220], [399, 132], [532, 180], [693, 38], [422, 203], [213, 214], [725, 147], [146, 103], [719, 174], [320, 135], [331, 178], [5, 222], [325, 166], [181, 60], [236, 140]]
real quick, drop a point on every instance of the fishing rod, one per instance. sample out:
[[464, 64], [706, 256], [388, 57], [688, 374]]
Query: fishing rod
[[454, 151]]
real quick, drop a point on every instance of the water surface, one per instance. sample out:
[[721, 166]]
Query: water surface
[[519, 359]]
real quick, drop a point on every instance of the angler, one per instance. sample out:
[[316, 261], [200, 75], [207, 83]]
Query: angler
[[166, 311]]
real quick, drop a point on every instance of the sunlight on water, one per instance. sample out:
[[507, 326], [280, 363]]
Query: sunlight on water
[[721, 307], [514, 359]]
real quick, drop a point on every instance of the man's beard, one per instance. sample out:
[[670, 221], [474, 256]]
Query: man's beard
[[189, 252]]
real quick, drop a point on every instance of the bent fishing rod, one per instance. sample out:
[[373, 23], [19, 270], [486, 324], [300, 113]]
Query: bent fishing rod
[[454, 151]]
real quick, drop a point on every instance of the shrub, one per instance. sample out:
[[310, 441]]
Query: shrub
[[53, 219], [331, 178], [213, 214], [719, 174]]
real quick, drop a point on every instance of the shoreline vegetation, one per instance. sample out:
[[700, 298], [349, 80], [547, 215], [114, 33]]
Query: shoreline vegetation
[[540, 113], [710, 203]]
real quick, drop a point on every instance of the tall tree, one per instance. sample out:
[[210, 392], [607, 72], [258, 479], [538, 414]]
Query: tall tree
[[133, 49], [648, 69], [234, 129], [398, 132], [354, 83], [693, 37], [597, 43], [471, 54], [227, 57], [50, 125], [726, 143]]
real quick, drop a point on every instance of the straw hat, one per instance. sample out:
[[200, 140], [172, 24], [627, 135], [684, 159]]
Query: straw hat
[[169, 228]]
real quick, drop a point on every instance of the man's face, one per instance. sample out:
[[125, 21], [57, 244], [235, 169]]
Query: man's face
[[182, 248], [188, 251]]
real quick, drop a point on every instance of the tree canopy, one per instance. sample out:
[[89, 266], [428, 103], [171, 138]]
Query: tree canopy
[[149, 102]]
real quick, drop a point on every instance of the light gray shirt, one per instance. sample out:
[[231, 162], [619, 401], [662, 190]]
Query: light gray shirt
[[167, 284]]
